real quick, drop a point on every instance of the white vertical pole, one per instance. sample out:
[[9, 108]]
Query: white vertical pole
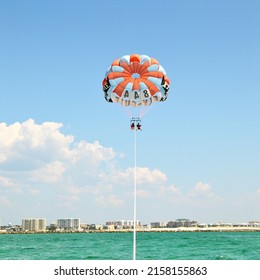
[[134, 241]]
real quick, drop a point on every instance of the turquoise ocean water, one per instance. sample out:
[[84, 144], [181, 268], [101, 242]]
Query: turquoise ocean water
[[118, 246]]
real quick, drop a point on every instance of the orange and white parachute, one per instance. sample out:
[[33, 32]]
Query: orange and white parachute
[[135, 80]]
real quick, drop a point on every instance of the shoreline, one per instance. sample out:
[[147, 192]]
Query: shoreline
[[179, 229]]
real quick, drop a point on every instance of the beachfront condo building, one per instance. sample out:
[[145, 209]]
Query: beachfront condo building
[[32, 224], [123, 223], [68, 224]]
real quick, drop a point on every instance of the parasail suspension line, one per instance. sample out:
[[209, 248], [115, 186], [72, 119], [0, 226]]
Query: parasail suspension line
[[135, 126]]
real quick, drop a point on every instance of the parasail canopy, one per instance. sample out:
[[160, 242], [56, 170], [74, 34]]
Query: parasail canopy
[[135, 80]]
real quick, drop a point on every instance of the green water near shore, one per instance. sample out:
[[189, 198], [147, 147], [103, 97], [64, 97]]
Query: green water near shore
[[118, 246]]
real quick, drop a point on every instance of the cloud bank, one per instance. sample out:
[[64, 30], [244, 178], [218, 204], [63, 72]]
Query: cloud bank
[[44, 172], [38, 159]]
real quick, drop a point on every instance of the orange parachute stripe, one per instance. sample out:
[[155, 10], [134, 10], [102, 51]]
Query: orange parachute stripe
[[120, 87], [142, 80], [153, 74], [152, 88], [137, 67], [116, 62], [131, 66], [143, 68], [135, 58], [126, 67], [104, 82], [115, 75], [136, 85], [167, 80], [154, 61]]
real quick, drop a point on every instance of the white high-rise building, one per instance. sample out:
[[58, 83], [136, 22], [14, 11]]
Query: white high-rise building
[[30, 224], [124, 223], [68, 223], [41, 224], [26, 224]]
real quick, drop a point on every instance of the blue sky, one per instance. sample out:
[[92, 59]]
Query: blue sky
[[66, 152]]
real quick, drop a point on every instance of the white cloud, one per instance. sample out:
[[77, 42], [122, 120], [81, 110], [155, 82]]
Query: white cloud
[[38, 159], [27, 145], [174, 190], [93, 152], [201, 189], [49, 173], [110, 200], [5, 182], [144, 176], [201, 195], [43, 148]]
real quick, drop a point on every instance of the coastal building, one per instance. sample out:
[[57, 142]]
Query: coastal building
[[110, 227], [84, 226], [254, 223], [123, 224], [52, 226], [98, 227], [41, 224], [203, 225], [68, 224], [32, 224], [182, 223], [240, 225], [223, 224], [158, 224]]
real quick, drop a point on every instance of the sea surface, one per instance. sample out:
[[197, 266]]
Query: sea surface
[[119, 246]]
